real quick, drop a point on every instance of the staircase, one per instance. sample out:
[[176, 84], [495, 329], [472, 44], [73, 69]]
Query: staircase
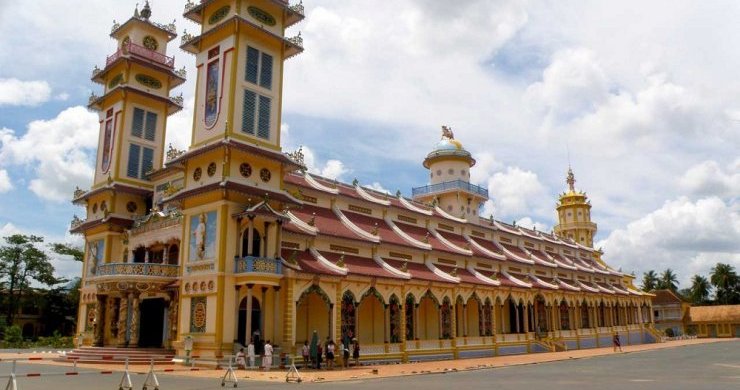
[[110, 355]]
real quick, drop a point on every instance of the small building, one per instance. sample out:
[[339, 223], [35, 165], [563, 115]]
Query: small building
[[715, 321], [670, 311]]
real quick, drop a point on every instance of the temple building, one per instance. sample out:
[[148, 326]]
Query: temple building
[[233, 239]]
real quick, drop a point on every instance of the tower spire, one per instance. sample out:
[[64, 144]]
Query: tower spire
[[571, 180]]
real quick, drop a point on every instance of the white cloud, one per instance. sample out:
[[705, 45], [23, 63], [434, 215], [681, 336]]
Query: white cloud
[[709, 178], [686, 236], [516, 192], [527, 222], [377, 187], [180, 126], [59, 150], [8, 230], [14, 92], [331, 169], [5, 183]]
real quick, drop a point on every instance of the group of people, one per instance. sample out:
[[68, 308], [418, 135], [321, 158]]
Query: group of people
[[250, 355], [316, 353]]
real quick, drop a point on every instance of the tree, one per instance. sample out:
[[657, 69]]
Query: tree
[[649, 281], [65, 249], [699, 291], [727, 284], [668, 280], [22, 263]]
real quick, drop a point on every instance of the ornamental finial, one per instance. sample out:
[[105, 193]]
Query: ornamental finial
[[447, 132], [571, 180], [146, 12]]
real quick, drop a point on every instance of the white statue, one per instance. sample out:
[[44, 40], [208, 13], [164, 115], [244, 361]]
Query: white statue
[[200, 237]]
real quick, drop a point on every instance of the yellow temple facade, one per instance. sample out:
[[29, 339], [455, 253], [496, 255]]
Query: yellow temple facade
[[233, 240]]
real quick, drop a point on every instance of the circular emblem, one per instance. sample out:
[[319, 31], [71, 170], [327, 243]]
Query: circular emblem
[[265, 174], [150, 43], [199, 315], [131, 207], [211, 169], [202, 286], [219, 14], [261, 16], [115, 80], [245, 169], [148, 81], [187, 287], [197, 173]]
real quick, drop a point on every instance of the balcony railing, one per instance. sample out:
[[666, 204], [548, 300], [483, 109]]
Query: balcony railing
[[138, 269], [142, 52], [450, 185], [258, 264]]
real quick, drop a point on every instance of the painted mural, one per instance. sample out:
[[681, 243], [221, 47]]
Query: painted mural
[[203, 236], [211, 109], [107, 145], [96, 250]]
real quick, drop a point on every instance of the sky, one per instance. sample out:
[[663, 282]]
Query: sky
[[640, 98]]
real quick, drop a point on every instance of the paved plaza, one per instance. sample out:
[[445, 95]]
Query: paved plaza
[[692, 366]]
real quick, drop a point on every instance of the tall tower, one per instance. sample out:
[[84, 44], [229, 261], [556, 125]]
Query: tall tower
[[449, 172], [574, 215], [232, 198]]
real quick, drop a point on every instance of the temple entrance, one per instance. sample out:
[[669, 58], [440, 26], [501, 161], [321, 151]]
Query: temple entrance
[[256, 325], [151, 322]]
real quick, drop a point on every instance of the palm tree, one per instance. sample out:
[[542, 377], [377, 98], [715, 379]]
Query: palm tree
[[726, 281], [649, 281], [699, 291], [668, 280]]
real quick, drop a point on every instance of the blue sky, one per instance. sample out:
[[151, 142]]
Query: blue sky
[[643, 96]]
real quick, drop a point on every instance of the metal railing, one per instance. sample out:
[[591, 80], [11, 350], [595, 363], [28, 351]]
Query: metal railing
[[450, 185], [267, 265], [140, 51], [138, 269]]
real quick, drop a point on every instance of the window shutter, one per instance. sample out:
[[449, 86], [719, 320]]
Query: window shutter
[[263, 129], [133, 161], [138, 122], [266, 71], [250, 73], [151, 126], [248, 110], [146, 161]]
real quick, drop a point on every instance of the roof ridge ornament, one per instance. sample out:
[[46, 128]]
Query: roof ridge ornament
[[447, 132]]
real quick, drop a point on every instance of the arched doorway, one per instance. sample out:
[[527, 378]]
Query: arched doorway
[[564, 316], [255, 325], [428, 318], [151, 322], [371, 327], [312, 314]]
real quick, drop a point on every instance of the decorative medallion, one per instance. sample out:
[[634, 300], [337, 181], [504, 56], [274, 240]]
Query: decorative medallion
[[117, 79], [122, 286], [211, 169], [261, 16], [142, 286], [265, 174], [245, 169], [219, 14], [187, 287], [131, 207], [95, 208], [148, 81], [202, 286], [210, 285], [197, 173], [103, 206], [195, 286], [198, 315], [150, 43]]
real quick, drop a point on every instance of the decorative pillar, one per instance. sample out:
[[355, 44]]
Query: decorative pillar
[[289, 322], [278, 237], [516, 317], [237, 294], [110, 326], [275, 312], [466, 331], [250, 235], [122, 321], [134, 340], [263, 249], [100, 320], [386, 323], [416, 321], [248, 331], [165, 252], [263, 331], [526, 319]]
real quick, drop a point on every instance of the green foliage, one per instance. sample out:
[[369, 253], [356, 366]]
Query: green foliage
[[64, 249], [669, 332], [13, 335], [668, 281], [727, 284], [699, 291], [649, 281]]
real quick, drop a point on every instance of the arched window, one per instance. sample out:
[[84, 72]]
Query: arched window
[[446, 313], [409, 312], [395, 319], [349, 315]]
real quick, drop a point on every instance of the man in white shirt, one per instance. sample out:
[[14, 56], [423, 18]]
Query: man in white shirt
[[250, 353], [268, 355], [240, 359]]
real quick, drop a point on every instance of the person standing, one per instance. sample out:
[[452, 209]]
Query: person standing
[[344, 348], [314, 349], [268, 355], [319, 356], [356, 352], [616, 342], [330, 355], [240, 359], [305, 351], [250, 354]]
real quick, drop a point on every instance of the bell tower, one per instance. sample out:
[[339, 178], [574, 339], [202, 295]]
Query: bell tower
[[449, 176], [574, 215], [137, 79]]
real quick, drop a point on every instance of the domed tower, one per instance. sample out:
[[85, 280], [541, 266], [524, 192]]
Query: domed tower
[[449, 172], [574, 215]]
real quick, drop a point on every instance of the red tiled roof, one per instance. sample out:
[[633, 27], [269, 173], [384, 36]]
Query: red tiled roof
[[368, 223], [487, 245], [666, 297], [455, 239], [360, 265], [541, 258], [326, 221], [417, 270], [462, 273], [308, 263], [420, 234]]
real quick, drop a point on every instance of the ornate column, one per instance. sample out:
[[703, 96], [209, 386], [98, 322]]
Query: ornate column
[[289, 316], [134, 339], [248, 329], [278, 237], [110, 326], [402, 331], [466, 331], [122, 321], [99, 320], [516, 317], [237, 294], [275, 313], [263, 249], [263, 313]]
